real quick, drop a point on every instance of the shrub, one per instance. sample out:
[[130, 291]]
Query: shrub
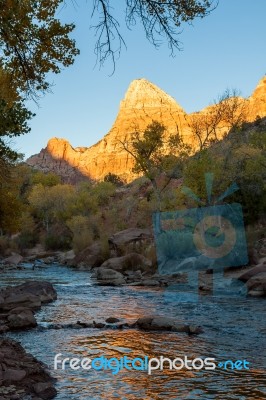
[[27, 240], [58, 238], [113, 178], [82, 232]]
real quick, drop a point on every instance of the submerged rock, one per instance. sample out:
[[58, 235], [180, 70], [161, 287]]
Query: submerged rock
[[112, 320], [153, 323]]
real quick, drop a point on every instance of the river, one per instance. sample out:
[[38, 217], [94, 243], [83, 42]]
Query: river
[[233, 329]]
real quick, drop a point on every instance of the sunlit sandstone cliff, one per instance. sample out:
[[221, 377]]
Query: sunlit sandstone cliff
[[142, 103], [258, 100]]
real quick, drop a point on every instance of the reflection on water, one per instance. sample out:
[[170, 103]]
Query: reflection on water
[[233, 330]]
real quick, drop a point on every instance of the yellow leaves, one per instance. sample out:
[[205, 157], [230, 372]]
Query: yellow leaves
[[33, 42]]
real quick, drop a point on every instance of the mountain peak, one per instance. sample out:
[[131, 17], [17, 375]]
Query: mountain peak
[[143, 93], [143, 103]]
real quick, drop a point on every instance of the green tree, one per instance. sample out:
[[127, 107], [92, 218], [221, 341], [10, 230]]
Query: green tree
[[102, 192], [33, 43], [239, 158], [52, 204], [13, 122], [46, 179], [156, 152]]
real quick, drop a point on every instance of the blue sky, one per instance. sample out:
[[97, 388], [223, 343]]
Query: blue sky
[[224, 50]]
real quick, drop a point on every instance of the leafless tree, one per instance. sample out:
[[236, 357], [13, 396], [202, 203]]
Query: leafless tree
[[227, 113], [233, 109]]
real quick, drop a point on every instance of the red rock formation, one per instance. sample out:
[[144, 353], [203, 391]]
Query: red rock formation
[[142, 103]]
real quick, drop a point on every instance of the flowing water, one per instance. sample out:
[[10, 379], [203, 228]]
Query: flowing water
[[233, 329]]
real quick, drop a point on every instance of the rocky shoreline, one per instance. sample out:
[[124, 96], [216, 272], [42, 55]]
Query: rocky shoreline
[[22, 376]]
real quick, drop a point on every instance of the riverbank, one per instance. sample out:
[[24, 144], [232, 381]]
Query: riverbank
[[21, 375]]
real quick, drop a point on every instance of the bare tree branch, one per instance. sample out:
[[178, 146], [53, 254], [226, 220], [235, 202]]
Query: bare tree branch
[[161, 20], [107, 32]]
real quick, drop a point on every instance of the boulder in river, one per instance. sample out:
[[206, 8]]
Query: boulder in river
[[14, 259], [12, 299], [66, 257], [109, 277], [150, 282], [255, 279], [112, 320], [130, 240], [21, 318], [257, 285], [42, 289], [252, 272], [90, 257], [17, 304], [131, 261]]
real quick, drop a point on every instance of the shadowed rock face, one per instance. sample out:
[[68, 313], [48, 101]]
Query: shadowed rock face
[[143, 103], [60, 158]]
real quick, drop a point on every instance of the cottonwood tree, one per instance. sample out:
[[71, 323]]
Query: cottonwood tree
[[52, 204], [14, 119], [155, 151], [33, 43]]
